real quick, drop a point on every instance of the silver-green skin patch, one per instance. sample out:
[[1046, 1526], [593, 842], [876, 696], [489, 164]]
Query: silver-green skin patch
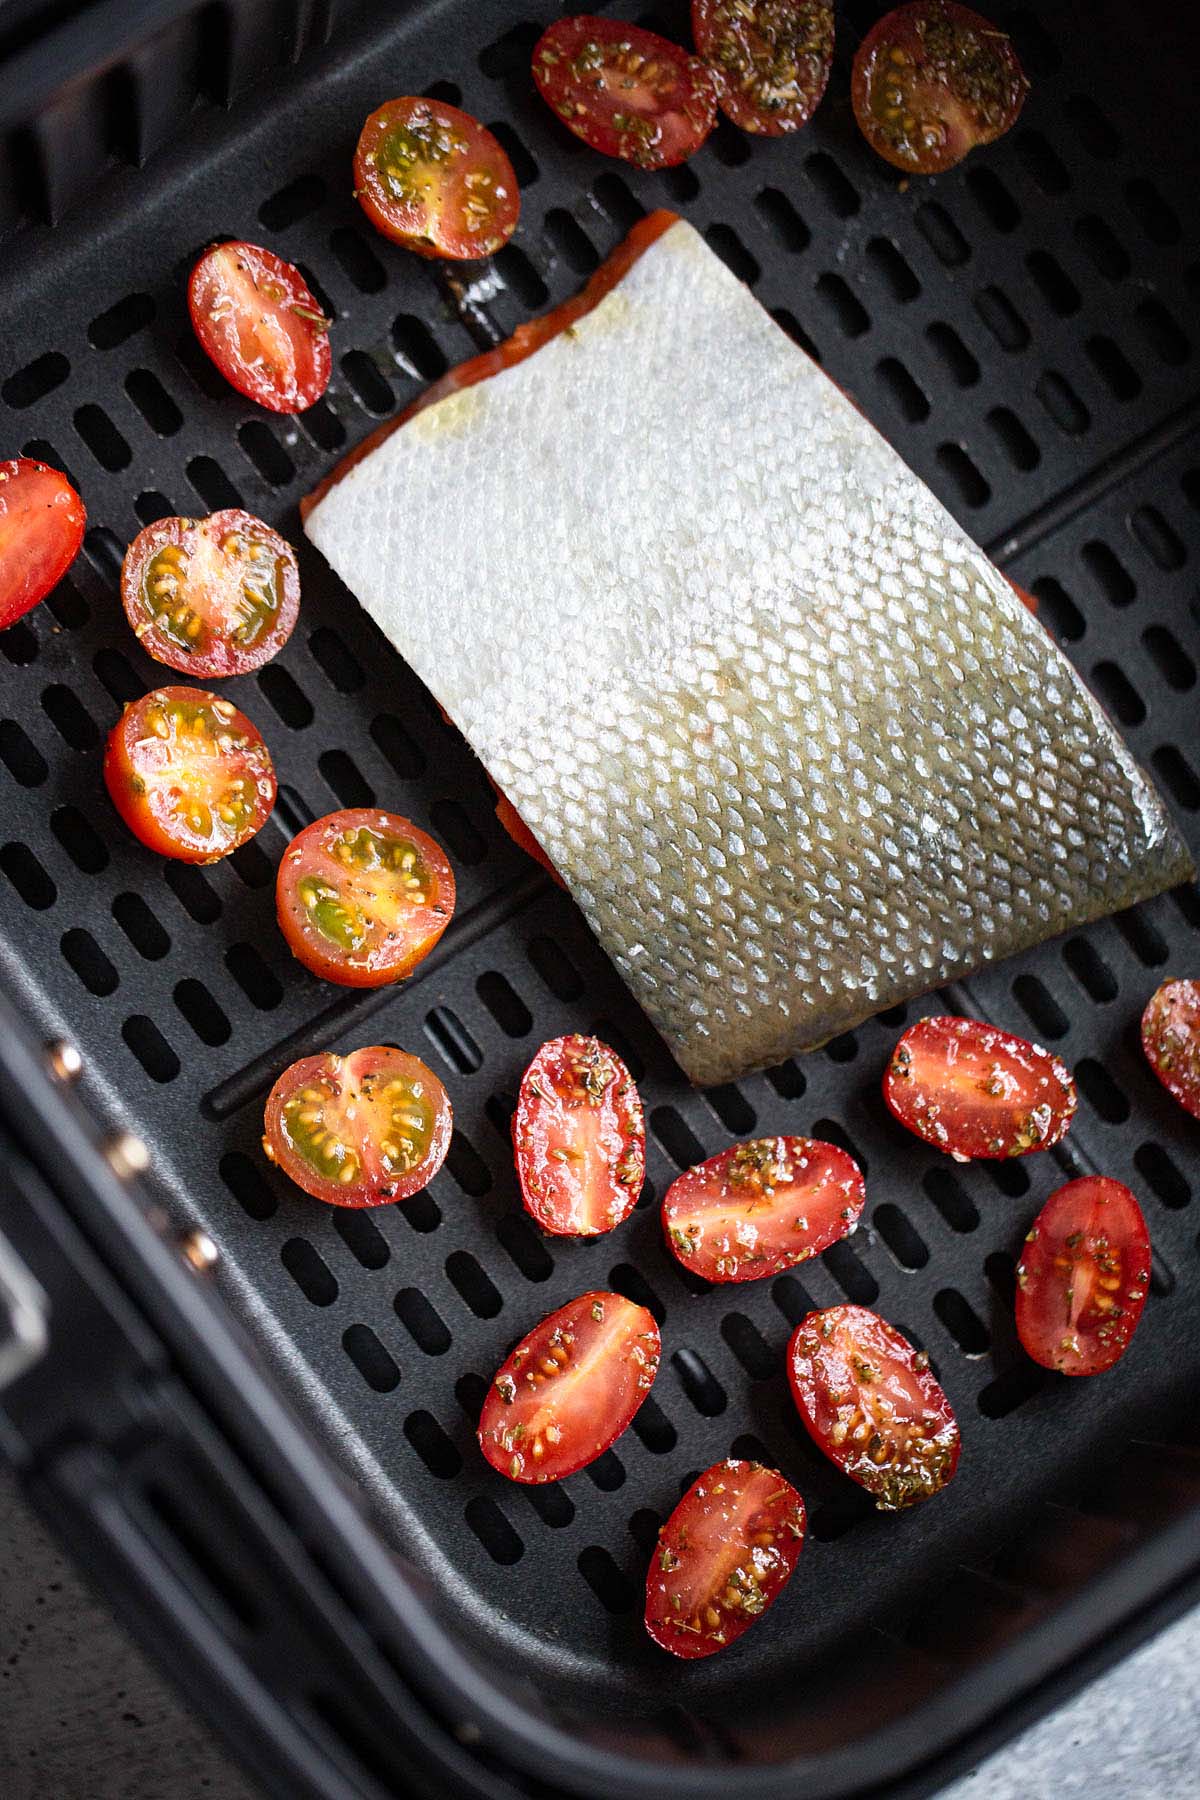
[[796, 748]]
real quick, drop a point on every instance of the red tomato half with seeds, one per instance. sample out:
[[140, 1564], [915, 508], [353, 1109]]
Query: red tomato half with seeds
[[759, 1208], [212, 597], [770, 59], [359, 1130], [933, 80], [1171, 1040], [259, 321], [873, 1405], [724, 1555], [1083, 1277], [435, 180], [189, 774], [973, 1090], [41, 528], [626, 92], [570, 1388], [362, 896], [579, 1138]]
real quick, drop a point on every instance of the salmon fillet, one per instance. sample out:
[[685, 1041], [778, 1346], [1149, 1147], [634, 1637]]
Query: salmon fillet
[[795, 747]]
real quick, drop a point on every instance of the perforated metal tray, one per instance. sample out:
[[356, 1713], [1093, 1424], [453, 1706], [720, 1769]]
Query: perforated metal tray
[[1023, 330]]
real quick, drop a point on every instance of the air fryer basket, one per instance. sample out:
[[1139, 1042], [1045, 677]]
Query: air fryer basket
[[1023, 331]]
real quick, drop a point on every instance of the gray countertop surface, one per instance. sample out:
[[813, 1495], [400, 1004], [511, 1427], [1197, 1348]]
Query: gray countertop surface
[[83, 1716]]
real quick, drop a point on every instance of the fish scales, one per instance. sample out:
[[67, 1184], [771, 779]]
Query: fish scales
[[796, 748]]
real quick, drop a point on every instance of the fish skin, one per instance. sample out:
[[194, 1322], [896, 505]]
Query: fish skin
[[797, 749]]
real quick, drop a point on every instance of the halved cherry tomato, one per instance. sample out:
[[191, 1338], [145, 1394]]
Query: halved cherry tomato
[[770, 59], [213, 597], [362, 896], [521, 835], [260, 322], [570, 1388], [579, 1138], [359, 1130], [41, 528], [189, 774], [759, 1208], [873, 1405], [435, 180], [1083, 1277], [625, 91], [1171, 1040], [974, 1090], [725, 1553], [933, 80]]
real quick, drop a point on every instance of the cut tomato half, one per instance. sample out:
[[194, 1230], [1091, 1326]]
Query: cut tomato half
[[189, 774], [359, 1130], [626, 92], [723, 1557], [570, 1388], [41, 528], [870, 1401], [1171, 1040], [579, 1138], [1083, 1277], [362, 896], [761, 1207], [933, 80], [770, 59], [211, 597], [435, 180], [259, 321], [973, 1090]]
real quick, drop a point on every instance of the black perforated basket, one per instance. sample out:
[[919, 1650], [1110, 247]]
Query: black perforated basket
[[1024, 330]]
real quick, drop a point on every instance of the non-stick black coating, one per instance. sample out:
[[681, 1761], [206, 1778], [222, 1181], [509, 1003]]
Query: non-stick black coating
[[1024, 331]]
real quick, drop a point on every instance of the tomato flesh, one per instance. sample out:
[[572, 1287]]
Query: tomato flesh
[[570, 1388], [724, 1555], [359, 1130], [761, 1207], [626, 92], [933, 80], [579, 1138], [362, 896], [1171, 1040], [213, 597], [189, 774], [260, 322], [973, 1090], [41, 528], [873, 1405], [1083, 1277], [770, 59], [435, 180]]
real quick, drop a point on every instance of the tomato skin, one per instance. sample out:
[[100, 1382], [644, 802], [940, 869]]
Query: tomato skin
[[170, 766], [1171, 1040], [570, 1388], [341, 851], [974, 1090], [592, 74], [42, 520], [257, 318], [850, 1371], [957, 78], [214, 597], [723, 1557], [425, 200], [364, 1104], [770, 60], [761, 1207], [1083, 1277], [579, 1138]]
